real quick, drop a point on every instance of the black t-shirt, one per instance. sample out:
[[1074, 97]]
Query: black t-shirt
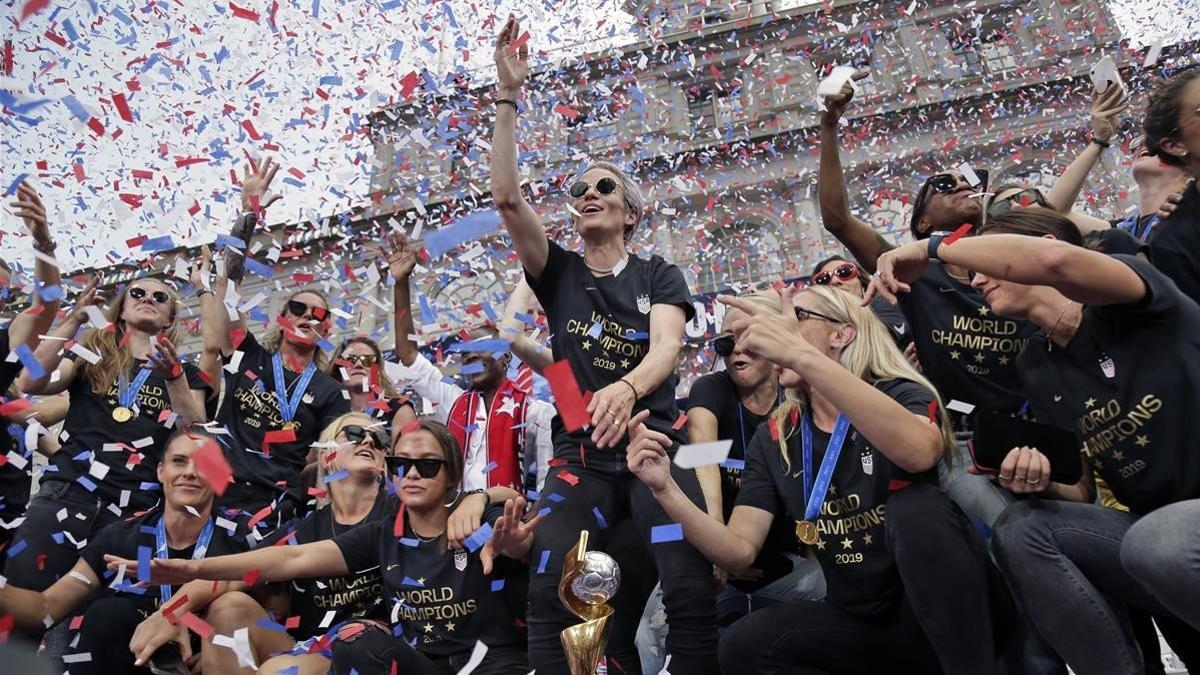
[[89, 427], [123, 539], [1114, 240], [601, 325], [8, 371], [14, 482], [440, 597], [250, 409], [967, 352], [348, 597], [1138, 425], [895, 321], [860, 571], [1175, 244]]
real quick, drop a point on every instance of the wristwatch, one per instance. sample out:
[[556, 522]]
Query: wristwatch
[[935, 240]]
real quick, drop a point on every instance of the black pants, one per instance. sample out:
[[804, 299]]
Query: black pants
[[104, 635], [604, 501], [944, 622], [374, 651]]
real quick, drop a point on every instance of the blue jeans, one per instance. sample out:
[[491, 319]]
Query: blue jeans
[[1073, 572], [1162, 551], [805, 582]]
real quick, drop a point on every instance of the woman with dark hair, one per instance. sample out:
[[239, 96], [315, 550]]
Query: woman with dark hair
[[617, 320], [277, 398], [358, 365], [125, 380], [837, 272], [905, 572], [1098, 368], [441, 601], [1172, 128]]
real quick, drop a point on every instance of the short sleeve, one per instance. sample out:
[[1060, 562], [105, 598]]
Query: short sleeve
[[360, 547], [1162, 295], [336, 405], [708, 393], [668, 287], [248, 346], [544, 286], [914, 397], [195, 381], [758, 490], [109, 540]]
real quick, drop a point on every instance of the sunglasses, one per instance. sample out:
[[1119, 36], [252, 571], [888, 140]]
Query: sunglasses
[[941, 183], [723, 345], [299, 309], [844, 272], [159, 297], [804, 314], [1025, 198], [356, 434], [361, 359], [426, 468], [605, 186]]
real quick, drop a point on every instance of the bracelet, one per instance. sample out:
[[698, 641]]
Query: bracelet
[[1102, 144], [636, 396], [172, 379], [200, 293], [48, 247], [480, 491], [935, 241], [508, 101]]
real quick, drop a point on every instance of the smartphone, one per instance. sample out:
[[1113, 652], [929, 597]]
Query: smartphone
[[1104, 75], [996, 434]]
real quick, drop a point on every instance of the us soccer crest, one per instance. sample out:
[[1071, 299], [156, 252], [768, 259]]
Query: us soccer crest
[[643, 301], [460, 560]]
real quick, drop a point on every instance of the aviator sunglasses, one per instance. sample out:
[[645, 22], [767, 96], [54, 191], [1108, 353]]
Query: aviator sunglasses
[[845, 272], [355, 434], [605, 186], [360, 359], [1025, 198], [297, 308], [426, 468], [159, 297]]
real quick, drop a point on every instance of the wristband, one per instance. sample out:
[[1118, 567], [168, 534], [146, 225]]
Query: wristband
[[200, 293], [480, 491], [636, 396], [935, 240], [47, 248], [1102, 144], [508, 101], [177, 376]]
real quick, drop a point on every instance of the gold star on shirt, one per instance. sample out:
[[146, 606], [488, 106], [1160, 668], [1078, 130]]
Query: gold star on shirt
[[983, 311], [867, 539], [832, 490], [586, 344], [1090, 402], [428, 628], [1118, 455], [449, 626], [820, 544], [979, 358], [847, 543], [625, 364], [1142, 441], [954, 354], [1004, 360], [421, 581]]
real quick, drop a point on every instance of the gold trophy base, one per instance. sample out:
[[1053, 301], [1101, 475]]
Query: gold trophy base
[[582, 643]]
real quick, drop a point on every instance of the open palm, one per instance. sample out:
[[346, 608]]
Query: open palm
[[512, 57]]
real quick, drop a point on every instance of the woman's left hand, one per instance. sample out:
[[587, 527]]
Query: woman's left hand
[[465, 519], [610, 408], [775, 336], [896, 269], [1106, 108], [164, 360]]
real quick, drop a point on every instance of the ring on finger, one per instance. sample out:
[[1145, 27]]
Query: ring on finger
[[1019, 477], [1006, 477], [1033, 482]]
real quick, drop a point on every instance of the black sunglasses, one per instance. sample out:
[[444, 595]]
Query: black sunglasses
[[297, 308], [426, 468], [845, 271], [803, 314], [355, 434], [1024, 198], [160, 297], [942, 183], [605, 186], [723, 345]]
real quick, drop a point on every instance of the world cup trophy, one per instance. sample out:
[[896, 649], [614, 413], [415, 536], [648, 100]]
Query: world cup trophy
[[589, 580]]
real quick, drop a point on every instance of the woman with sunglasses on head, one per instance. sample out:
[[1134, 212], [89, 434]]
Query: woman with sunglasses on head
[[837, 272], [358, 365], [1172, 129], [128, 389], [1096, 368], [440, 601], [905, 572], [617, 320], [277, 396]]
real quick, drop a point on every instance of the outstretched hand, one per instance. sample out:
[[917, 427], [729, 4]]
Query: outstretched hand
[[646, 455], [401, 255], [512, 55], [835, 106], [512, 537], [172, 571], [164, 359], [90, 295], [30, 208], [256, 180], [896, 269]]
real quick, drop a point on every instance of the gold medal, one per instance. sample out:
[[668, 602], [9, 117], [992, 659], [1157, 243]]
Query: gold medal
[[289, 426], [806, 532], [121, 414]]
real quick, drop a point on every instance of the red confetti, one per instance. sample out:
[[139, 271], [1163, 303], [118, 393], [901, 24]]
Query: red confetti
[[569, 478], [198, 626], [933, 411], [249, 127], [568, 399], [212, 466], [243, 13], [958, 234], [680, 422], [251, 577], [122, 107], [398, 523]]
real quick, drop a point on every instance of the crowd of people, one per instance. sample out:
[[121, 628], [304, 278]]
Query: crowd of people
[[276, 504]]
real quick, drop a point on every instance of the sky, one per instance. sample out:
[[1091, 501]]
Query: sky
[[132, 119]]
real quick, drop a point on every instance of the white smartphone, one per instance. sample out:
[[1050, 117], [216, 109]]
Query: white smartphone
[[1104, 75]]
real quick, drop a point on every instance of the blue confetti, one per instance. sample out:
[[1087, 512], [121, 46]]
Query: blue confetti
[[480, 537], [497, 585], [544, 560], [336, 476], [467, 228], [660, 534], [599, 517], [143, 570], [16, 548]]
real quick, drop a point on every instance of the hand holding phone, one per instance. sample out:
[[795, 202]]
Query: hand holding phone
[[1104, 75]]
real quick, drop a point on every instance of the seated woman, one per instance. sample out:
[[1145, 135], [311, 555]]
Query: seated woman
[[442, 600], [905, 572], [358, 365], [121, 612], [1097, 367]]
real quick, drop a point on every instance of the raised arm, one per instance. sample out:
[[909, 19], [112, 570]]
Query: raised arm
[[857, 235], [402, 258], [49, 352], [512, 328], [30, 610], [1106, 109], [214, 319], [274, 563], [523, 223], [1082, 275], [36, 320]]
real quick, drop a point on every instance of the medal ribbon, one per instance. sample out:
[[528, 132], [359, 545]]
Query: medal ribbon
[[815, 493], [160, 543], [288, 407], [128, 394]]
